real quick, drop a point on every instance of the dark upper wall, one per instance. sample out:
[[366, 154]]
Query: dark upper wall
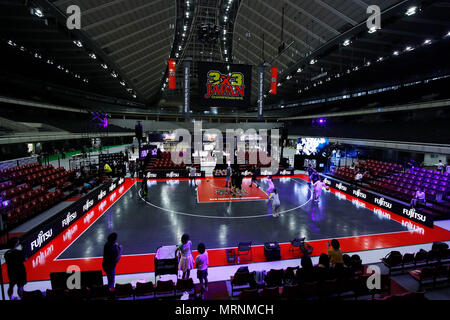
[[426, 126]]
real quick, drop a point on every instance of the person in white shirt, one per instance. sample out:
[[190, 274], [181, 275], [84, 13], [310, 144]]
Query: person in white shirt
[[275, 203], [186, 262], [192, 174], [317, 189], [440, 166], [358, 177], [202, 262], [419, 197]]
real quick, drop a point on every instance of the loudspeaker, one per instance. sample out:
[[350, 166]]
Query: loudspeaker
[[272, 251]]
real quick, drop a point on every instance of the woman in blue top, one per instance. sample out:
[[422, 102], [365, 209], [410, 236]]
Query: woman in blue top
[[186, 262]]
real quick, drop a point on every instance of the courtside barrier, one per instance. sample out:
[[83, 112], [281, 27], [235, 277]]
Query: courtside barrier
[[379, 201], [39, 236]]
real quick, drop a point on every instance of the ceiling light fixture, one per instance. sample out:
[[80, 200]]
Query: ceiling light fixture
[[37, 12], [411, 11]]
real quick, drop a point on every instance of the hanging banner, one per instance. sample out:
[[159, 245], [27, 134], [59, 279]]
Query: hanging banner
[[222, 84], [172, 74], [187, 87], [273, 80], [260, 92]]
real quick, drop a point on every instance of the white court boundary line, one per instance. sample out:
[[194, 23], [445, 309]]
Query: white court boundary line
[[280, 243], [215, 217]]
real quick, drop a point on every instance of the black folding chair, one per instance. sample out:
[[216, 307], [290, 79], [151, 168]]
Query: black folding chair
[[245, 249]]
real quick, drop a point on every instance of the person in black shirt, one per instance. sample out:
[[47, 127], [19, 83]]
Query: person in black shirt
[[256, 172], [144, 187], [17, 274], [111, 256]]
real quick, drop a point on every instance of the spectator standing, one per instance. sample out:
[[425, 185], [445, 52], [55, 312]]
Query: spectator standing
[[112, 252], [132, 169], [228, 177], [186, 262], [335, 253], [192, 174], [441, 166], [17, 274], [202, 262]]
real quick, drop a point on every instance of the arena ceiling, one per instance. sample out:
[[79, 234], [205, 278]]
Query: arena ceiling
[[133, 39]]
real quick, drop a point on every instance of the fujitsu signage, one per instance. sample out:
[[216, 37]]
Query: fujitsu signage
[[381, 213], [101, 195], [412, 213], [69, 218], [70, 232], [89, 203], [383, 203], [392, 205], [340, 186], [172, 175], [47, 230], [358, 203], [41, 239], [359, 194], [87, 219]]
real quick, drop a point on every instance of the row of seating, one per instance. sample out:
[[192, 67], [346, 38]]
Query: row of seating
[[403, 186], [407, 296], [380, 168], [18, 168], [337, 288], [428, 171], [36, 178], [244, 279], [147, 290], [42, 177], [431, 275], [6, 185], [395, 261], [54, 179], [164, 162], [27, 196], [15, 191], [21, 175], [19, 214]]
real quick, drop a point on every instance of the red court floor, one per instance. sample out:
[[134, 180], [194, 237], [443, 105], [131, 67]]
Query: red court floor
[[214, 190], [42, 263]]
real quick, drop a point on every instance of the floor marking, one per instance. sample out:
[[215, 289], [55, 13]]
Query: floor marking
[[281, 243], [215, 217]]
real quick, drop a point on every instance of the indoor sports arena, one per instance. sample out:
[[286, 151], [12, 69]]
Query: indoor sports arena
[[247, 151]]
